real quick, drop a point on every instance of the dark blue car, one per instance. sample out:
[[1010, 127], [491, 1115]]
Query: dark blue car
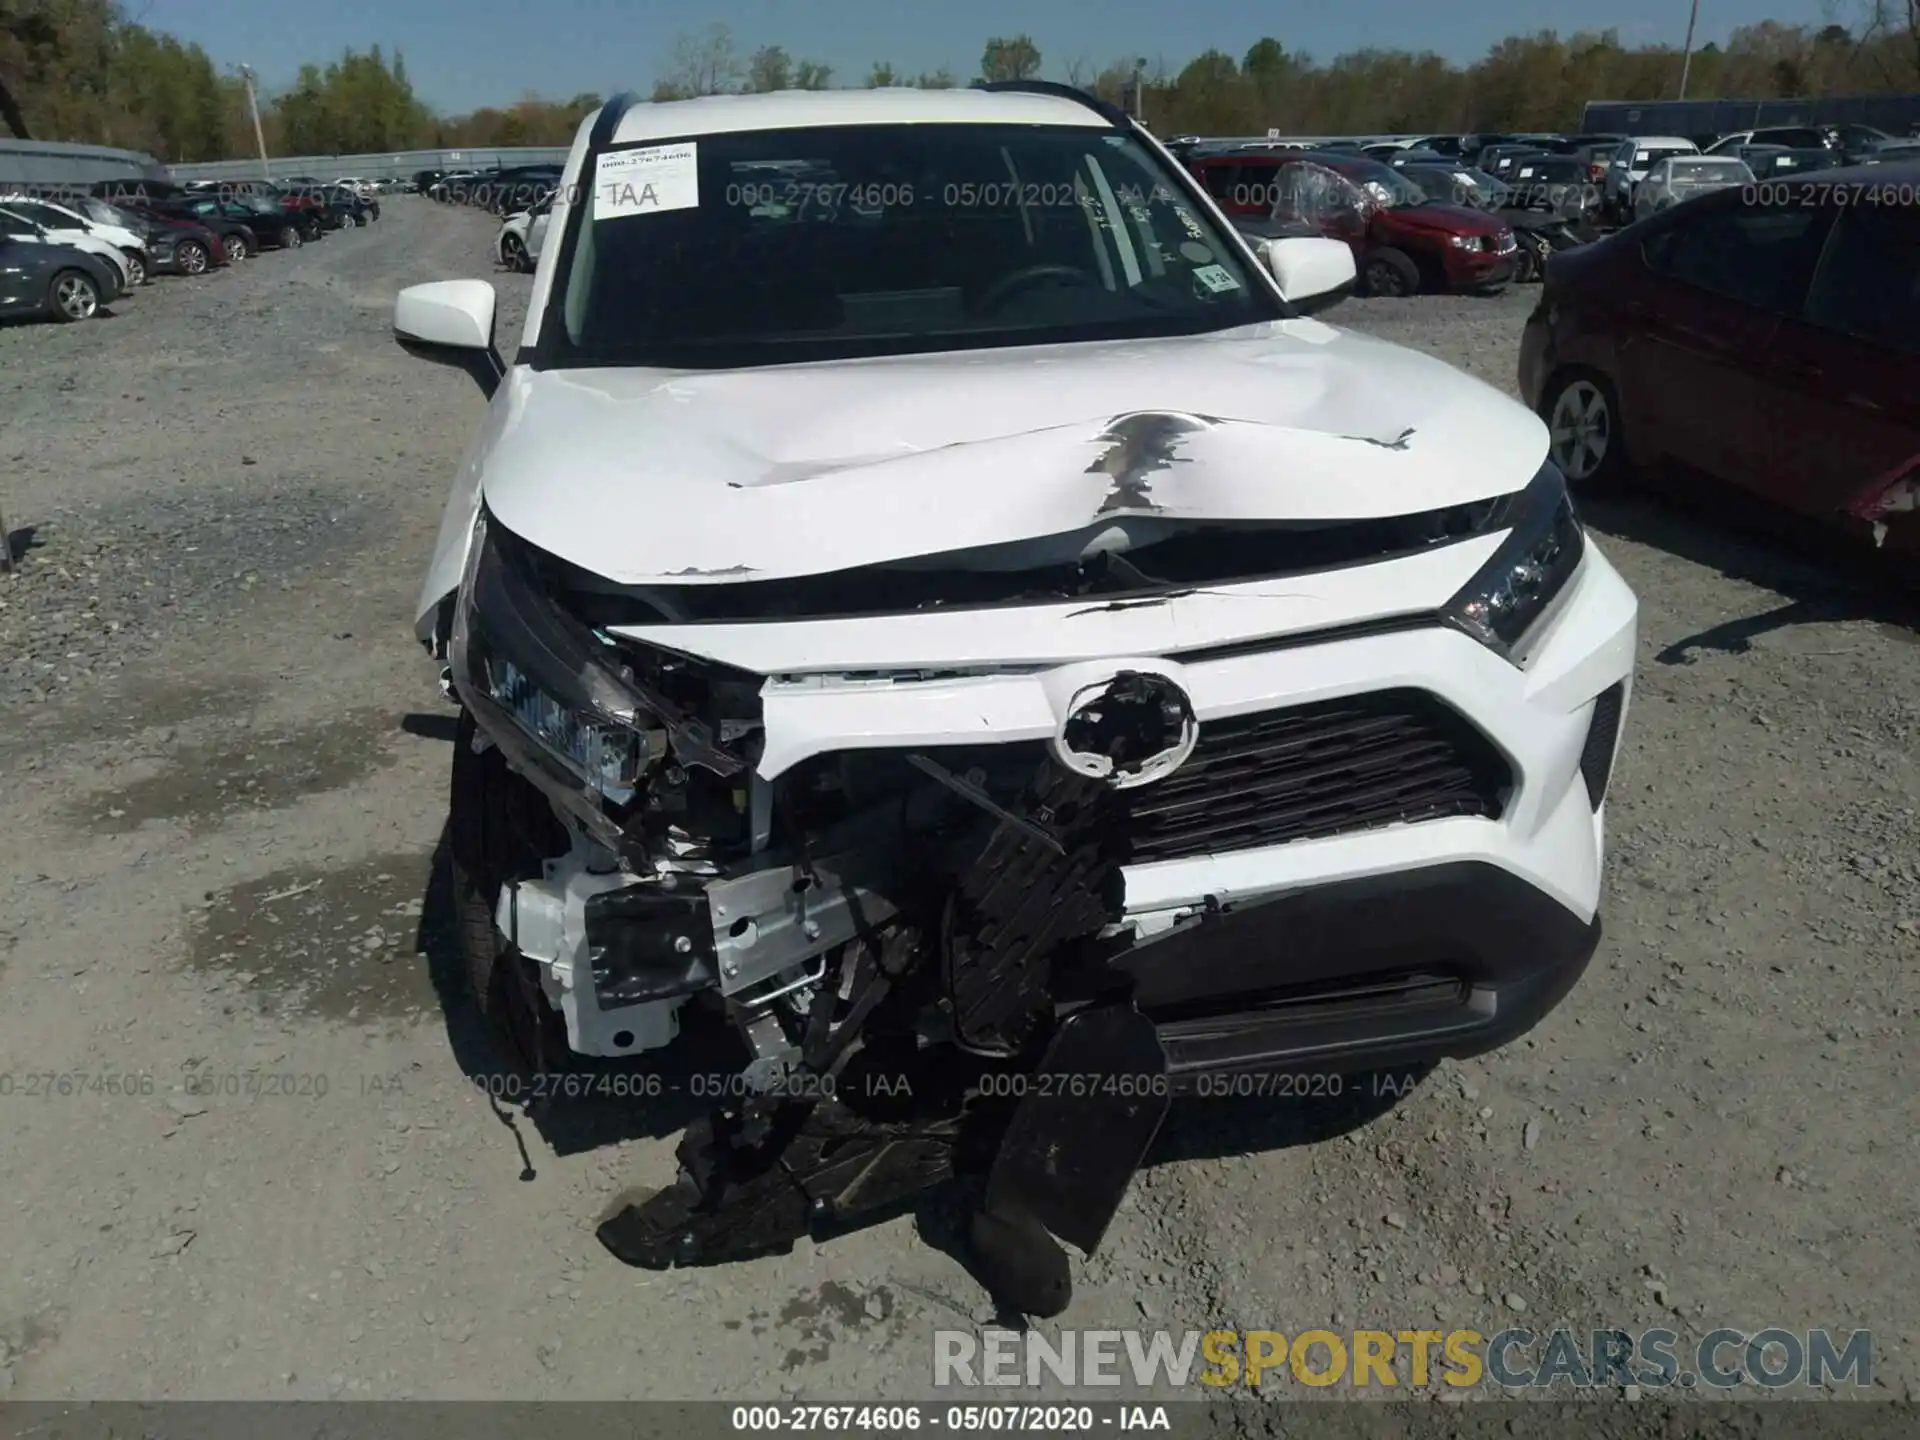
[[54, 281]]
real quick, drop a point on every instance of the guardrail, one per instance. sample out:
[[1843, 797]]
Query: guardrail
[[390, 165]]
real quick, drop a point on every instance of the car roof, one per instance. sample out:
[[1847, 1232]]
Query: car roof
[[797, 109], [1642, 141]]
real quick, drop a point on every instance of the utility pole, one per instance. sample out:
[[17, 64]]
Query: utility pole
[[1139, 89], [253, 108], [1686, 57]]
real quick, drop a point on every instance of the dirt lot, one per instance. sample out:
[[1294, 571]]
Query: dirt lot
[[224, 765]]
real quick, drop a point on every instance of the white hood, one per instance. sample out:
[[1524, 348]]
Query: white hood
[[651, 476]]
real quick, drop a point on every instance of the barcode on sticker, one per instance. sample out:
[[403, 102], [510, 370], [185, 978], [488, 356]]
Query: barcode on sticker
[[646, 180]]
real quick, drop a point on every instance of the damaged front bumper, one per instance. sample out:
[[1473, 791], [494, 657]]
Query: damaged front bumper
[[1343, 819], [1311, 756]]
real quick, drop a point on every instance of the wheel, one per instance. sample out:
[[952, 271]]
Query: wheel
[[498, 829], [74, 296], [1389, 272], [236, 248], [136, 269], [193, 257], [1583, 418], [513, 252], [347, 222], [291, 238]]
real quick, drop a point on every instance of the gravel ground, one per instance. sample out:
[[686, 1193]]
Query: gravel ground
[[226, 763]]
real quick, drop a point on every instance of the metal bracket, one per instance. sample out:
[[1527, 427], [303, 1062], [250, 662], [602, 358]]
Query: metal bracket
[[772, 920]]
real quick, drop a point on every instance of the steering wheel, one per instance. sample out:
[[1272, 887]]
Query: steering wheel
[[1006, 286]]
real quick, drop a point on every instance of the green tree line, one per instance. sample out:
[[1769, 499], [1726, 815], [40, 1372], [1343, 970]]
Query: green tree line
[[82, 70]]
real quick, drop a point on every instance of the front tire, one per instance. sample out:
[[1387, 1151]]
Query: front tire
[[136, 271], [499, 828], [194, 257], [1389, 272], [237, 248], [1582, 413], [513, 253], [292, 239], [73, 296]]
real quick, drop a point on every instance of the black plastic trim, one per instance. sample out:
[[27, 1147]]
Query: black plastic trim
[[1444, 961], [1106, 110], [1353, 630], [647, 944], [599, 139], [485, 367], [1603, 738]]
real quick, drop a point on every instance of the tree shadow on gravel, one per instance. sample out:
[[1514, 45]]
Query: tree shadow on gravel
[[1827, 577], [592, 1105]]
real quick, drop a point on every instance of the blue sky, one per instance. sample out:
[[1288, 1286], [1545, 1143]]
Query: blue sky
[[476, 52]]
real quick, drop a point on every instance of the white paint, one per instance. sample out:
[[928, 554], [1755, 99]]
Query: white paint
[[458, 313], [659, 476], [1306, 267], [790, 109], [646, 181]]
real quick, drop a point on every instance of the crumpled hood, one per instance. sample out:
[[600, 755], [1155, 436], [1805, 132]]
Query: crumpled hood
[[653, 476]]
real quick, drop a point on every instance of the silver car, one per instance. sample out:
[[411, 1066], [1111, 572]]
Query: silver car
[[1681, 177], [1629, 164]]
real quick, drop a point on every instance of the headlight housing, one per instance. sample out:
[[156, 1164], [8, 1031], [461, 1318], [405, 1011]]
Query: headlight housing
[[554, 694], [1510, 597]]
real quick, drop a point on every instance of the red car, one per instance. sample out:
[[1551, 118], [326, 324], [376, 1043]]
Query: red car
[[1764, 336], [1403, 241]]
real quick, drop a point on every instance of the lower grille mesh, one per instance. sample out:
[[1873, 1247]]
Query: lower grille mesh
[[1603, 734], [1312, 771]]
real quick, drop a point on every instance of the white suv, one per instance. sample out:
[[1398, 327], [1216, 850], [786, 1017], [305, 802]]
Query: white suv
[[926, 597]]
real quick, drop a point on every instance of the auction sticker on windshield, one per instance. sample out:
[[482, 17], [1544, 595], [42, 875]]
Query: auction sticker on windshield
[[643, 181], [1216, 278]]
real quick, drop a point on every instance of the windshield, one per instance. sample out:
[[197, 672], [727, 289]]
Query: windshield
[[101, 213], [765, 247], [1392, 188]]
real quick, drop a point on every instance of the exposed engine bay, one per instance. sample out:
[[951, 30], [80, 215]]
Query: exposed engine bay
[[906, 942]]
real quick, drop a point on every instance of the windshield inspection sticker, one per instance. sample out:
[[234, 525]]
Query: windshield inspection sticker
[[1217, 278], [640, 182]]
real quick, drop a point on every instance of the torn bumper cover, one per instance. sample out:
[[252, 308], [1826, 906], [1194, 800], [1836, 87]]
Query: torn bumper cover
[[1144, 829], [1886, 497]]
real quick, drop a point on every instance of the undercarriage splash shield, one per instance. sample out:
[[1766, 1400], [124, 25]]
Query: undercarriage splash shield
[[1091, 1110]]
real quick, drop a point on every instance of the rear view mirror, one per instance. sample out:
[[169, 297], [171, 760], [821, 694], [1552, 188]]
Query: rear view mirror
[[450, 322], [1313, 273]]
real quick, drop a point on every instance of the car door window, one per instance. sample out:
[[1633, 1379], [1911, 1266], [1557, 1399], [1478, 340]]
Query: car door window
[[1760, 255], [1868, 282]]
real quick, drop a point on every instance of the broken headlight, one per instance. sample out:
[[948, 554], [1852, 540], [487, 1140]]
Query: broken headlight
[[1504, 603], [518, 656]]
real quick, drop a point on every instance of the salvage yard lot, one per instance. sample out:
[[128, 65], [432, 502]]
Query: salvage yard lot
[[225, 763]]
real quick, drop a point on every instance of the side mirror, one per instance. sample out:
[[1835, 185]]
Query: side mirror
[[450, 322], [1313, 273]]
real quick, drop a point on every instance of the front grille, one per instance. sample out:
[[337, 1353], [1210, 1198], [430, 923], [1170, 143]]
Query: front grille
[[1313, 771]]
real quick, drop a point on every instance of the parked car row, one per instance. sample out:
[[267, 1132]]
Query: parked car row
[[68, 251], [501, 191], [1608, 170]]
